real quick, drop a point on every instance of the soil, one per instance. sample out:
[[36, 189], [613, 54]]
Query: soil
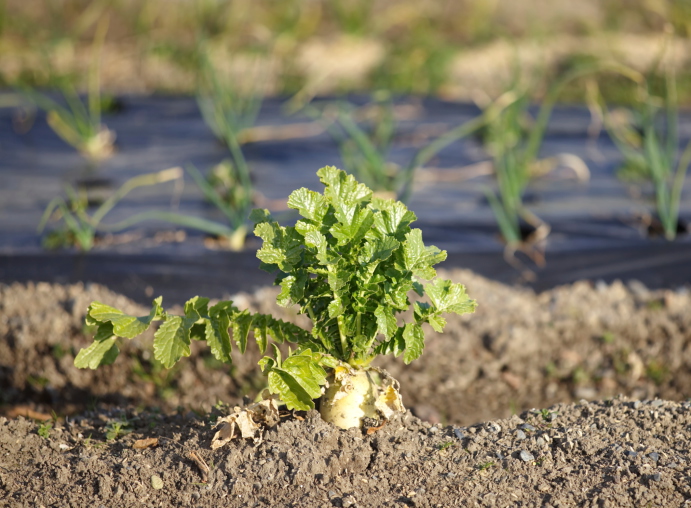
[[520, 350], [615, 453]]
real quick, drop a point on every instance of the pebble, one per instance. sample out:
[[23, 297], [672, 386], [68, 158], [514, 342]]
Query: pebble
[[630, 454], [196, 495], [637, 404], [526, 456], [527, 426], [655, 456], [657, 403], [493, 427], [156, 482], [520, 435], [656, 477], [458, 433]]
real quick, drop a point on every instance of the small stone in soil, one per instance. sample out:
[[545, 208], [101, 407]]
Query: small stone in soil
[[656, 477], [520, 435], [526, 456], [654, 456], [527, 426], [458, 433], [657, 403], [630, 454]]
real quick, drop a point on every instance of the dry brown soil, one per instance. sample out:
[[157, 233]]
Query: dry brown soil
[[518, 351]]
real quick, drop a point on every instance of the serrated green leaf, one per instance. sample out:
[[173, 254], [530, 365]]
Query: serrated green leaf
[[310, 204], [103, 351], [259, 215], [307, 372], [341, 187], [196, 307], [293, 395], [260, 328], [414, 339], [438, 323], [241, 323], [335, 308], [172, 341], [124, 325], [386, 321], [449, 297], [418, 258], [393, 217], [394, 346], [216, 332], [357, 225]]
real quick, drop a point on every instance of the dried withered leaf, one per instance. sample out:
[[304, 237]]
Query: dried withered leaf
[[201, 464], [246, 422], [372, 430], [141, 444]]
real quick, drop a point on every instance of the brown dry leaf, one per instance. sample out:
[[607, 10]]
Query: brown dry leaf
[[201, 464], [372, 430], [247, 422], [142, 444]]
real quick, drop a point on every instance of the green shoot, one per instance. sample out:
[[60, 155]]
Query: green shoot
[[117, 429], [44, 429], [350, 264], [79, 124], [78, 226], [224, 192], [651, 153]]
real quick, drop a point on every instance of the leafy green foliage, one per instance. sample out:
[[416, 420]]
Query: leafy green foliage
[[44, 430], [349, 264]]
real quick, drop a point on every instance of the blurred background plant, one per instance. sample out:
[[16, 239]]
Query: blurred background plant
[[648, 138], [78, 224], [76, 122], [451, 49], [513, 139]]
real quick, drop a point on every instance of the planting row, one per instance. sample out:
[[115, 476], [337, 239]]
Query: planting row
[[510, 131]]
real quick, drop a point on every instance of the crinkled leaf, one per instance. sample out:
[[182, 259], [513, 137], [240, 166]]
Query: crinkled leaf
[[418, 258], [102, 351], [414, 339], [447, 296], [241, 323], [342, 188], [310, 204], [172, 341], [438, 323], [357, 225], [293, 395], [395, 345], [217, 336], [394, 217], [124, 325], [282, 246], [386, 321]]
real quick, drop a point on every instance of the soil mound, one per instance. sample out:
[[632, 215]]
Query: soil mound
[[518, 351]]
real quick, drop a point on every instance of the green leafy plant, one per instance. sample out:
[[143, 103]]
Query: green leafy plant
[[79, 227], [117, 429], [350, 264], [651, 152], [44, 429], [77, 123]]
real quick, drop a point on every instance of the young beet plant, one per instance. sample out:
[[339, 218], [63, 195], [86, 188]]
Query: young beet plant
[[349, 264]]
